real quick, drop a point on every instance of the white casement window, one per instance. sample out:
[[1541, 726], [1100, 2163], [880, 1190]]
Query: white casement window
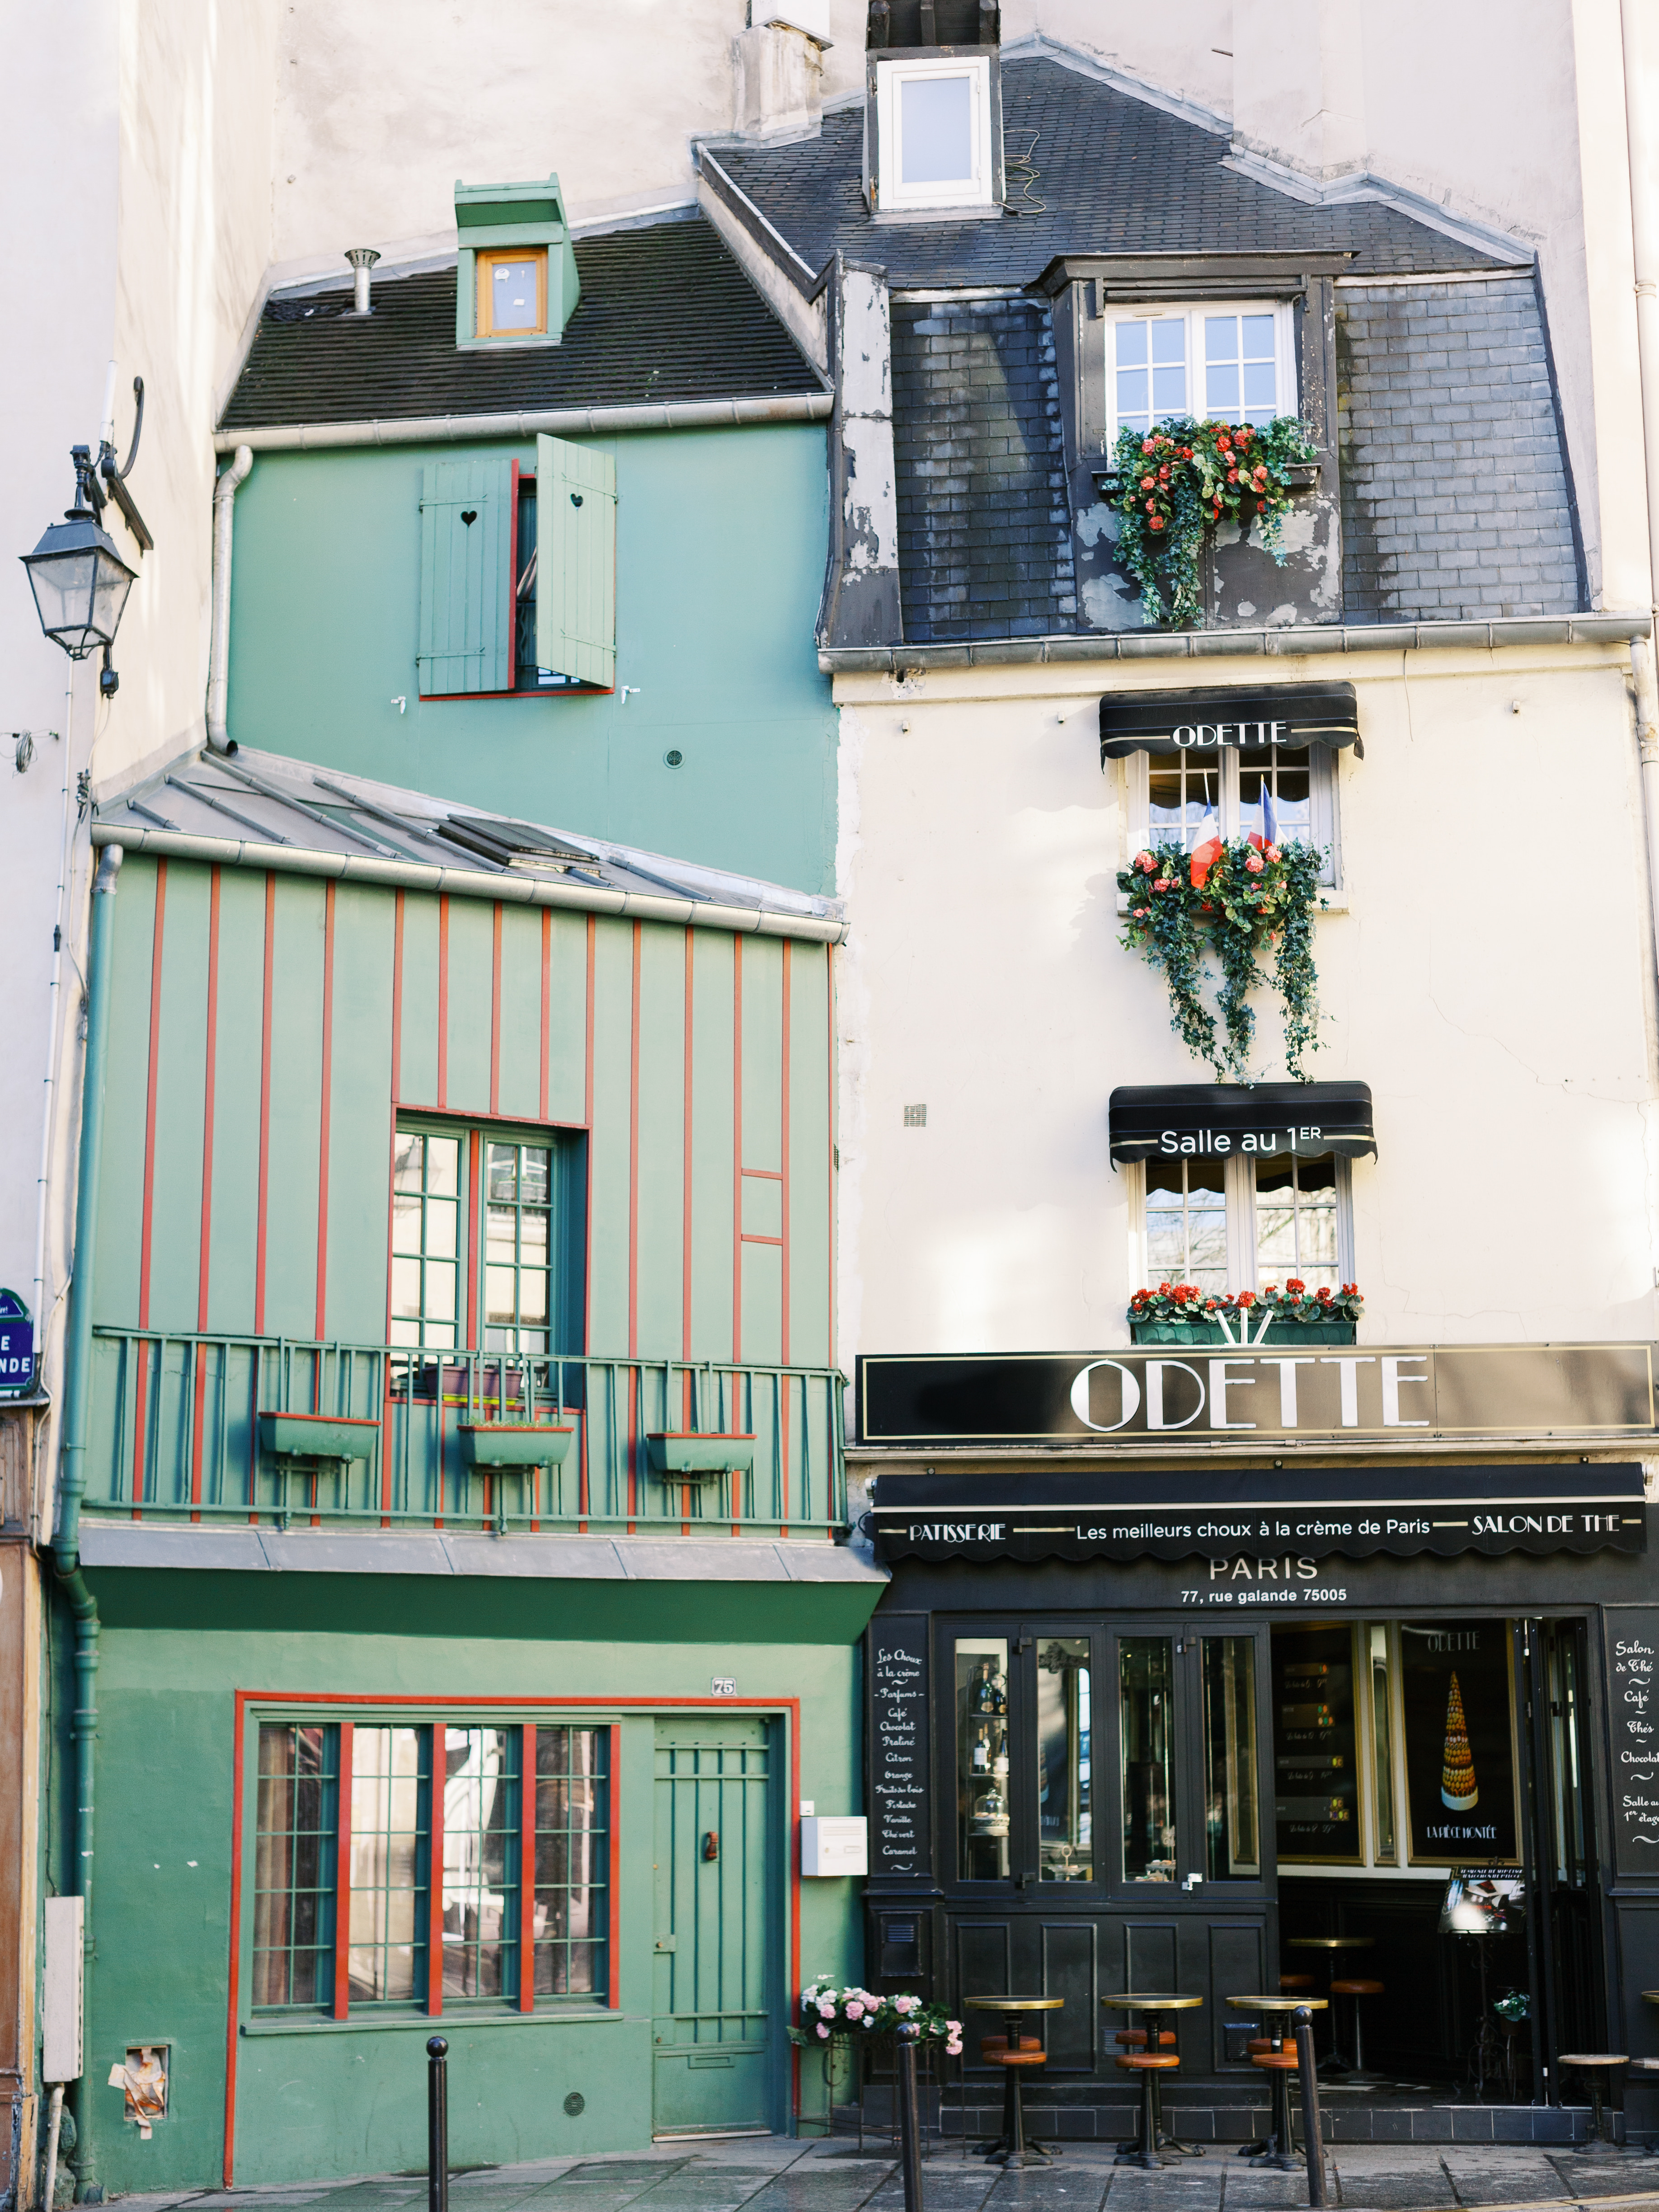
[[1284, 792], [1236, 1225], [1230, 361], [933, 129]]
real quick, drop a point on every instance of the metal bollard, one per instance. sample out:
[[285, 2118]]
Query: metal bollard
[[437, 2125], [1308, 2075], [910, 2132]]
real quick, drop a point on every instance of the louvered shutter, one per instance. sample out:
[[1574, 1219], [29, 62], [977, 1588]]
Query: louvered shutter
[[576, 561], [466, 593]]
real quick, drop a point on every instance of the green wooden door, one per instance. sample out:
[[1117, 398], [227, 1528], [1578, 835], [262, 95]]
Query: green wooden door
[[718, 2000]]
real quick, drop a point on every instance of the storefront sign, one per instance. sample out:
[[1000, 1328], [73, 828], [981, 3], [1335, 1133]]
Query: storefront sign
[[1424, 1391], [16, 1348], [899, 1829], [1632, 1633], [1222, 1120], [1455, 1679], [1258, 1534], [1212, 720]]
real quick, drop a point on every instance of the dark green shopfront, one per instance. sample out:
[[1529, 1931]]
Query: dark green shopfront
[[462, 1478]]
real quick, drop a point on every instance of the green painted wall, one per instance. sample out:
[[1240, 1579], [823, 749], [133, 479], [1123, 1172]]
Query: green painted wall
[[325, 2100], [720, 546]]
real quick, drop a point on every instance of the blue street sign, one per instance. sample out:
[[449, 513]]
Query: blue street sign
[[16, 1348]]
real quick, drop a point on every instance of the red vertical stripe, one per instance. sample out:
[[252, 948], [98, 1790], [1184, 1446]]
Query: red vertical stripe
[[398, 999], [633, 1154], [434, 1937], [343, 1878], [474, 1149], [834, 1160], [513, 586], [737, 1148], [228, 2162], [496, 1015], [326, 1116], [527, 1870], [613, 1952], [443, 1001], [685, 1171], [265, 1109], [587, 1258], [783, 1320], [547, 1003], [149, 1104]]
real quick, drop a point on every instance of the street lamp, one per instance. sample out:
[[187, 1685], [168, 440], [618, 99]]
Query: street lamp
[[79, 581]]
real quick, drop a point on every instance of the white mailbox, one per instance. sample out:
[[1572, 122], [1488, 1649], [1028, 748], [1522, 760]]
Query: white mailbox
[[61, 2056], [834, 1844]]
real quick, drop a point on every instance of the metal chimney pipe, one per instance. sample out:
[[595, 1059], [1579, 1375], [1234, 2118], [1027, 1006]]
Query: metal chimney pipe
[[363, 259]]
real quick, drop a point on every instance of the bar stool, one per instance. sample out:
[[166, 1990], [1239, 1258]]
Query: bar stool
[[1148, 2065], [1281, 2064], [1358, 2077], [1017, 2052], [1597, 2067]]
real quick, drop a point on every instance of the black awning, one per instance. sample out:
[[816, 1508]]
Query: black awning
[[1247, 721], [1259, 1120]]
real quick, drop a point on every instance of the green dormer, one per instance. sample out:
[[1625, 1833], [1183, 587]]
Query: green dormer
[[516, 284]]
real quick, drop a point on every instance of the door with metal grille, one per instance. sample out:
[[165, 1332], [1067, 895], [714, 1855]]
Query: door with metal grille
[[718, 1996]]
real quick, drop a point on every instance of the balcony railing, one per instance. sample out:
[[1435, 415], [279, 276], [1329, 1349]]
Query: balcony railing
[[202, 1428]]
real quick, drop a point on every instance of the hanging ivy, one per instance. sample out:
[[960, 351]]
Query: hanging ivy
[[1232, 901], [1177, 482]]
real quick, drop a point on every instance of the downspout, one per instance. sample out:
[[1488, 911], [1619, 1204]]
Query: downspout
[[77, 1379], [1641, 124], [224, 498]]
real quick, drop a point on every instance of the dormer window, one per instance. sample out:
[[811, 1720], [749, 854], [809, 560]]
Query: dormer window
[[516, 282], [511, 294], [934, 123]]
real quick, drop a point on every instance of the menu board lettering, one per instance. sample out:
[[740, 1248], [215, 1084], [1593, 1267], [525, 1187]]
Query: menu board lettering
[[1315, 1745], [1633, 1714], [900, 1831]]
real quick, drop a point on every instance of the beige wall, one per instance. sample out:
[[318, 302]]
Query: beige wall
[[1508, 1041]]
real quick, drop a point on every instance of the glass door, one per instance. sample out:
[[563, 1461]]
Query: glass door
[[1190, 1729]]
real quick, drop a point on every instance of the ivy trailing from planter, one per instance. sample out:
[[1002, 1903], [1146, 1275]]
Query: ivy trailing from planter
[[1232, 900], [1177, 482]]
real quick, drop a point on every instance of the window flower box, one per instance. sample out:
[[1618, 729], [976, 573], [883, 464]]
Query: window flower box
[[1196, 1333], [514, 1444], [317, 1436], [1184, 1313], [681, 1457]]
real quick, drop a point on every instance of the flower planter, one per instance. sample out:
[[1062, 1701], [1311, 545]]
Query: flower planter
[[513, 1444], [681, 1457], [1195, 1334], [317, 1436]]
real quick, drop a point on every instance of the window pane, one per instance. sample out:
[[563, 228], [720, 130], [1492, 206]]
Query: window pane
[[502, 1237], [571, 1910], [1169, 391], [1184, 797], [389, 1793], [1296, 1222], [295, 1865], [981, 1665], [1145, 1722], [1258, 338], [535, 1167], [1276, 798], [504, 1172], [1170, 339], [1131, 345], [514, 302], [480, 1862], [443, 1166], [1066, 1830], [406, 1161], [1221, 337], [1187, 1223], [936, 130], [406, 1288], [1232, 1823], [441, 1215], [1222, 395], [1259, 397], [499, 1286], [438, 1294]]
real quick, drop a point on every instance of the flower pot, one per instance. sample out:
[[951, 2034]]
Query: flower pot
[[682, 1456], [513, 1444], [1206, 1333], [317, 1436]]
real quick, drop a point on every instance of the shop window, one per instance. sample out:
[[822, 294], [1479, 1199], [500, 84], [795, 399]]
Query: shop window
[[1231, 1815], [1283, 794], [1065, 1820], [1228, 363], [486, 1234], [1237, 1224], [981, 1686], [294, 1871], [1146, 1734], [470, 1820]]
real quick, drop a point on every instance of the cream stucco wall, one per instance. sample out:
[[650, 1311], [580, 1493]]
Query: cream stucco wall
[[1498, 1000]]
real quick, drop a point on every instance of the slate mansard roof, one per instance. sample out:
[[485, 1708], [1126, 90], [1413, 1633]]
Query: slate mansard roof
[[665, 315]]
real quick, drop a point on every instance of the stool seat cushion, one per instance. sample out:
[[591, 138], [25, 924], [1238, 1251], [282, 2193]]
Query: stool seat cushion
[[1144, 2062], [1593, 2058], [1289, 1981], [990, 2044], [1019, 2058], [1357, 1988], [1281, 2062]]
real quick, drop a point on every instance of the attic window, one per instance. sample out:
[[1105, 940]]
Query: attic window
[[516, 281], [511, 294], [933, 124]]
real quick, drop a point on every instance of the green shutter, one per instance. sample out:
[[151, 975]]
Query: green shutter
[[576, 561], [466, 593]]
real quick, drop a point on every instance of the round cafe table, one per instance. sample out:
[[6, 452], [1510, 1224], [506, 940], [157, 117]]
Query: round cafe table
[[1334, 2062], [1011, 2148], [1279, 2149], [1129, 2004]]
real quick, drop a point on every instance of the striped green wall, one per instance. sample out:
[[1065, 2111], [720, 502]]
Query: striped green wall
[[266, 1029]]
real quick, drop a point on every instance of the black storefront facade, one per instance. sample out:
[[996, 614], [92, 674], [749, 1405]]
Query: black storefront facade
[[1194, 1652]]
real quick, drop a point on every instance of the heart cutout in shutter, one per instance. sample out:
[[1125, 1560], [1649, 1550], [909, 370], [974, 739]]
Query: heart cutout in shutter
[[575, 499], [468, 515]]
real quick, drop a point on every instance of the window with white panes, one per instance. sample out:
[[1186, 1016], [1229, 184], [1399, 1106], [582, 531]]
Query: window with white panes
[[1241, 1223], [1187, 1223], [1284, 793], [1229, 362], [934, 135]]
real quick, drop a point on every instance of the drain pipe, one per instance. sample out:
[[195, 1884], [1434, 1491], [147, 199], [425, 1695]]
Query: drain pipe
[[1641, 122], [77, 1380], [218, 697]]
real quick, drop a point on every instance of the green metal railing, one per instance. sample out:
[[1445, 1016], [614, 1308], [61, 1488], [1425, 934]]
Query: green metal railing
[[176, 1434]]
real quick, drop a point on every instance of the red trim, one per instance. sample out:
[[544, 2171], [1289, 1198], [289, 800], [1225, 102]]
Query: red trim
[[343, 1875], [527, 1868], [832, 1164], [474, 1155], [264, 1108], [547, 1003], [588, 1257], [325, 1111], [443, 1001], [634, 1157], [764, 1175], [613, 1949], [513, 583], [552, 691], [398, 999], [234, 1977], [149, 1106], [783, 1347], [685, 1170], [747, 1238], [495, 1016], [435, 1885], [737, 1148]]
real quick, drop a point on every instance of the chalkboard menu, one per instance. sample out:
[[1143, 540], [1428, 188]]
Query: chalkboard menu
[[1633, 1716], [900, 1828], [1315, 1745]]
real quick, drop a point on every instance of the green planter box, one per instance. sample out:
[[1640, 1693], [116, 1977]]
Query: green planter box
[[1199, 1333], [514, 1444], [317, 1436], [686, 1457]]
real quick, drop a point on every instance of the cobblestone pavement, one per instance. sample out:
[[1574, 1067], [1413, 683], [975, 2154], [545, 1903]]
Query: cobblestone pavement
[[771, 2174]]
